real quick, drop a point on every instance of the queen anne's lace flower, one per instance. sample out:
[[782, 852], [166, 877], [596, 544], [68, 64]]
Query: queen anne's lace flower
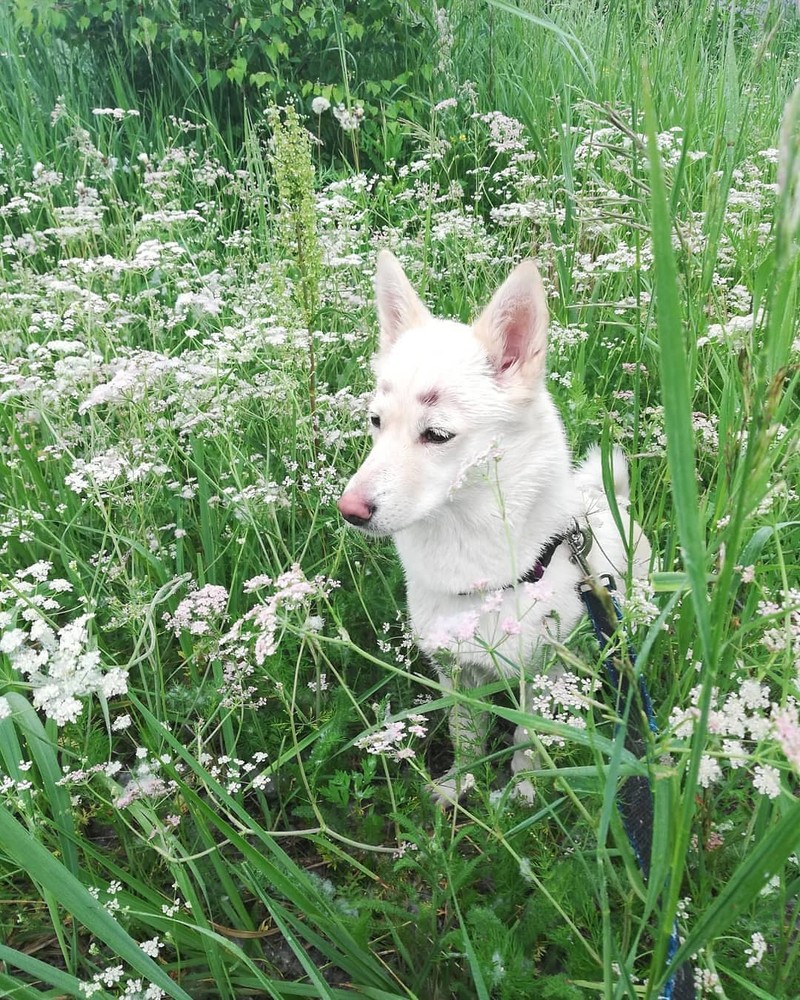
[[197, 613], [62, 665]]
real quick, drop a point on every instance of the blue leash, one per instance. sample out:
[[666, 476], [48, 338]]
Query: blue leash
[[635, 801]]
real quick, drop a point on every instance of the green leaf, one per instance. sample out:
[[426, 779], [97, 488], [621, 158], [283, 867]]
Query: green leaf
[[148, 30], [731, 90], [300, 953], [676, 392], [481, 990], [237, 69], [215, 78], [44, 753]]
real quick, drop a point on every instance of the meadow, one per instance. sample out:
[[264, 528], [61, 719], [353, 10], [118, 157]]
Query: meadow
[[215, 731]]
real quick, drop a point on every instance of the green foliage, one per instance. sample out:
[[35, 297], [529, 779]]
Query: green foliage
[[159, 281], [235, 54]]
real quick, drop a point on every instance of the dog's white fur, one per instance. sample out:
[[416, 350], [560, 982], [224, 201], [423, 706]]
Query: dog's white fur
[[470, 514]]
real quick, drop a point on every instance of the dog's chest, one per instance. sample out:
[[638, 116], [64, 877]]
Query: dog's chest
[[497, 632]]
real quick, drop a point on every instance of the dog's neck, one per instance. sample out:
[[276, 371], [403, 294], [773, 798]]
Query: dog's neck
[[494, 528]]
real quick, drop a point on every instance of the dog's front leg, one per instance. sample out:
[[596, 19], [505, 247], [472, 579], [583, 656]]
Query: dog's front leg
[[468, 729]]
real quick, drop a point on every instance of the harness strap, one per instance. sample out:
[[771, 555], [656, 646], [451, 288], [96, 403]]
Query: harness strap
[[536, 572], [635, 798]]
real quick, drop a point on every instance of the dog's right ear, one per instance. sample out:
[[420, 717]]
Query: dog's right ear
[[513, 327], [399, 306]]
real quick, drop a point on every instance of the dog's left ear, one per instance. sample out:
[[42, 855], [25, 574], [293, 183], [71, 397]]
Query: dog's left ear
[[513, 327], [399, 306]]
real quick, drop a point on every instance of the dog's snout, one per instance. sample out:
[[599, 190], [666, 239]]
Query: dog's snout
[[355, 509]]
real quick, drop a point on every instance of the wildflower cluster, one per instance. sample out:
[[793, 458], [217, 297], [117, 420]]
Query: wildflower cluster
[[349, 119], [198, 613], [783, 633], [62, 665], [260, 626], [144, 781], [256, 636], [394, 738], [131, 989], [561, 696], [237, 775], [747, 731]]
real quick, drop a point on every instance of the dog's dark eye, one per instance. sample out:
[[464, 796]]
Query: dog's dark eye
[[375, 420], [434, 436]]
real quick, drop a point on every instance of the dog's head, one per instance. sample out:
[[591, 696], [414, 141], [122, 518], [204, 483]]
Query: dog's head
[[446, 395]]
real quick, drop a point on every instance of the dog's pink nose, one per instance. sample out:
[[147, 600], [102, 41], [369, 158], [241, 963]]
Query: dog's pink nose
[[355, 509]]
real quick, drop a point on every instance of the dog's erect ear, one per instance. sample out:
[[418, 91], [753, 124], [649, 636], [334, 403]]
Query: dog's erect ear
[[399, 306], [513, 327]]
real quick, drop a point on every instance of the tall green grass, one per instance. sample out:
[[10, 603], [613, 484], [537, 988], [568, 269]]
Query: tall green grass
[[333, 873]]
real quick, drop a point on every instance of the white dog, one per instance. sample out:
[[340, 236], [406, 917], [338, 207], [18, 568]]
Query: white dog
[[471, 474]]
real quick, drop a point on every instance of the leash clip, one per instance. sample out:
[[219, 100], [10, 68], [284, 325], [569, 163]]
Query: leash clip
[[580, 540]]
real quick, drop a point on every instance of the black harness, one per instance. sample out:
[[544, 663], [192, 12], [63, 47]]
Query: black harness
[[536, 572]]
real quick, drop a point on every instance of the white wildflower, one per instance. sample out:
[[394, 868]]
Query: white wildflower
[[349, 119], [62, 668], [756, 950], [767, 780], [152, 947], [710, 771]]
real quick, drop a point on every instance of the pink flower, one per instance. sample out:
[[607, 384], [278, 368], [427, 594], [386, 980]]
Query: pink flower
[[195, 610], [465, 626], [492, 601], [446, 632], [539, 591], [787, 733]]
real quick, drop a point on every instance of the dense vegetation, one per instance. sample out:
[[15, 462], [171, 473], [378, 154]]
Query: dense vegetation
[[215, 732]]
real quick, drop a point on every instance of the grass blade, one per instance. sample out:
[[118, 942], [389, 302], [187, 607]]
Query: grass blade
[[766, 860], [677, 401], [44, 971], [41, 866], [570, 42]]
